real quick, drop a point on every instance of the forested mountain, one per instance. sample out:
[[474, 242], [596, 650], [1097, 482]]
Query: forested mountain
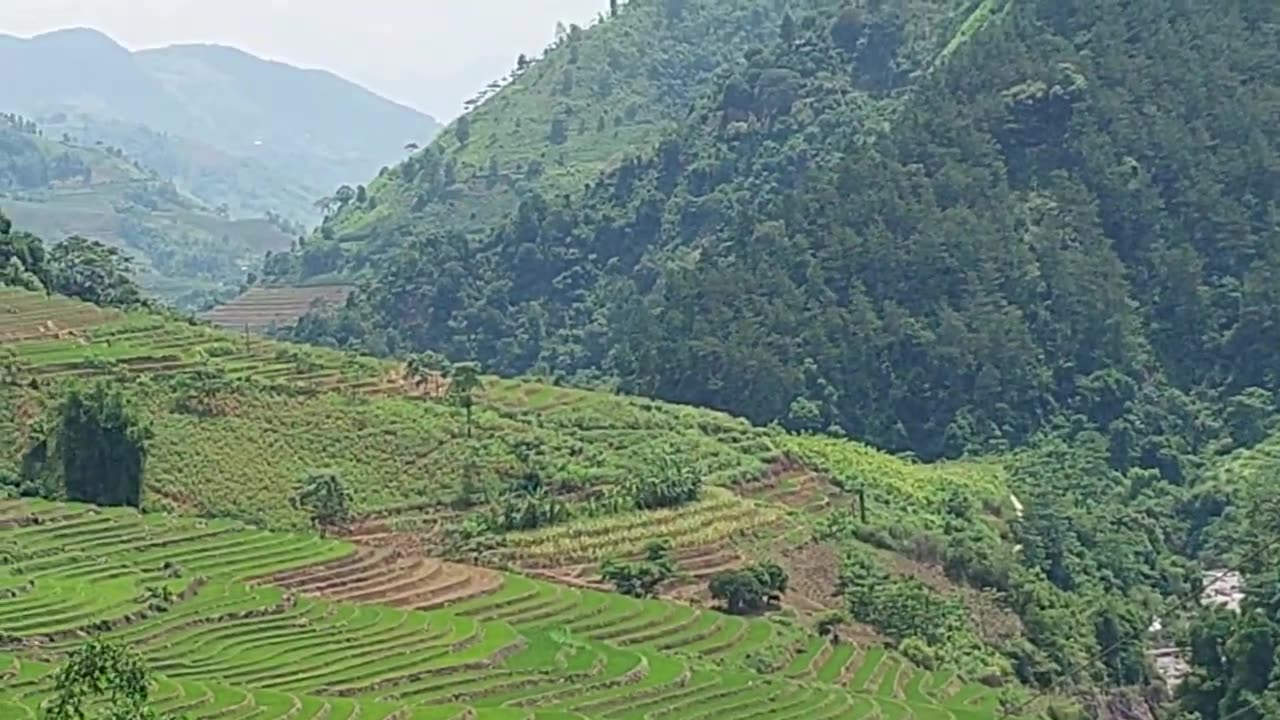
[[869, 223], [552, 125], [228, 126]]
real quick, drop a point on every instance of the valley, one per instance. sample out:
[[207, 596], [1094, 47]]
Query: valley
[[832, 359]]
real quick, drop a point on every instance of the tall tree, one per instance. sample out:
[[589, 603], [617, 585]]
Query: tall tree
[[462, 130], [102, 442], [22, 259], [325, 498], [464, 382]]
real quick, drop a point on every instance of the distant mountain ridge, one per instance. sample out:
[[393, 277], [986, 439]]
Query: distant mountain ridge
[[297, 133], [186, 252]]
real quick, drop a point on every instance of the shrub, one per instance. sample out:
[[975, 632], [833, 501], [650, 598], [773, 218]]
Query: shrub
[[751, 589], [641, 579]]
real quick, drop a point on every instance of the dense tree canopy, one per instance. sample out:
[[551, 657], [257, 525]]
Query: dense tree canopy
[[1056, 222], [77, 266], [102, 445]]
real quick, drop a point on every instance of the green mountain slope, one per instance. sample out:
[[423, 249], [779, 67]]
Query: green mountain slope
[[279, 125], [599, 95], [1054, 221], [57, 188]]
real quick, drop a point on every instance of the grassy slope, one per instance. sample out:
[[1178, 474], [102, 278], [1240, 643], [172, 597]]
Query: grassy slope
[[637, 72], [396, 450], [401, 450]]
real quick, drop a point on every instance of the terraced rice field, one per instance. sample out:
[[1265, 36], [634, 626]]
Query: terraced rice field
[[60, 338], [262, 307], [720, 514], [273, 626], [33, 316]]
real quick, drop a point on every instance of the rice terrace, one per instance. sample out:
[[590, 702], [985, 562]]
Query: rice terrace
[[408, 609], [259, 308], [643, 360]]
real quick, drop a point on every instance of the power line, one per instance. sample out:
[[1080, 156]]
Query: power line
[[1076, 667]]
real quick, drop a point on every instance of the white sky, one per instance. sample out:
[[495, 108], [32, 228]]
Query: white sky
[[430, 54]]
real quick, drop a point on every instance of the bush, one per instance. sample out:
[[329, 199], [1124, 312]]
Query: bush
[[919, 652], [927, 547], [751, 589], [829, 625], [875, 536], [641, 579]]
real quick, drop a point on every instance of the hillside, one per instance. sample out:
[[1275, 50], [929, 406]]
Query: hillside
[[234, 421], [939, 562], [597, 96], [185, 251], [582, 443], [944, 261], [231, 125], [1024, 231]]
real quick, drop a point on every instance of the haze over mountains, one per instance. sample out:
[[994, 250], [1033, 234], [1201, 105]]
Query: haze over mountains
[[227, 126]]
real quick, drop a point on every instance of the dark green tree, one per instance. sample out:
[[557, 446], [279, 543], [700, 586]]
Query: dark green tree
[[92, 271], [344, 195], [325, 498], [22, 259], [102, 444], [559, 132], [1247, 415], [739, 591], [462, 130], [429, 371], [641, 579], [788, 30]]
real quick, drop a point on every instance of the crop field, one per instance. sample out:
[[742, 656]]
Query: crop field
[[260, 308], [33, 316], [251, 631], [899, 491], [54, 338]]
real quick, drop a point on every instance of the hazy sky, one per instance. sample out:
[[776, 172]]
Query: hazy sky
[[431, 54]]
